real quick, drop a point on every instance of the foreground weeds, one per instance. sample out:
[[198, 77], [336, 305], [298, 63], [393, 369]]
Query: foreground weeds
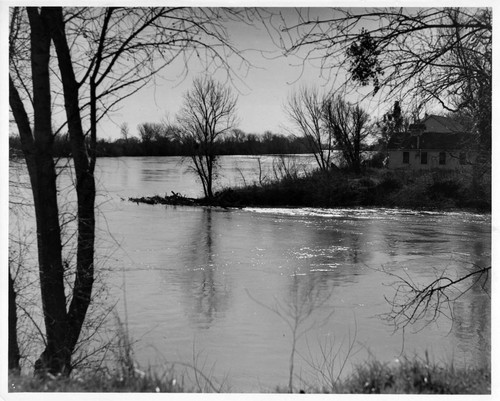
[[145, 382], [400, 377], [416, 377]]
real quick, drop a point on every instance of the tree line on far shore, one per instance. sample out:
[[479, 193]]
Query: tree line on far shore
[[156, 139]]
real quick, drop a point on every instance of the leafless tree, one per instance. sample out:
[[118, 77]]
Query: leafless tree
[[151, 131], [348, 125], [296, 312], [433, 56], [305, 110], [124, 131], [329, 123], [208, 112], [102, 55]]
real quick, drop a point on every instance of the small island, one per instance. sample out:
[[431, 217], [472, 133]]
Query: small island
[[431, 190]]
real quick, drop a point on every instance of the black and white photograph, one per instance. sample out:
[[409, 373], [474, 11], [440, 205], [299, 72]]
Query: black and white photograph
[[247, 198]]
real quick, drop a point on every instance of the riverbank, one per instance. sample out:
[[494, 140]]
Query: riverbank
[[400, 377], [430, 190]]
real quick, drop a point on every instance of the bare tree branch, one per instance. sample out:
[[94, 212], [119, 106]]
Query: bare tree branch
[[208, 112], [413, 302]]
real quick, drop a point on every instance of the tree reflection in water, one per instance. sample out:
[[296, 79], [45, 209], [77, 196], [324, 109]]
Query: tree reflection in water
[[207, 293]]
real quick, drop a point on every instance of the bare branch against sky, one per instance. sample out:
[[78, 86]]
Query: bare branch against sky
[[275, 56]]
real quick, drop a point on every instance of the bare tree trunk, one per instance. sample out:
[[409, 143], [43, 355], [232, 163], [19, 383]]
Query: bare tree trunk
[[62, 328], [85, 183], [200, 170], [56, 357], [210, 170], [357, 153], [14, 355]]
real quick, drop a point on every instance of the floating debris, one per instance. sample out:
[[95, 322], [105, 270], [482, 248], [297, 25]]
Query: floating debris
[[180, 200]]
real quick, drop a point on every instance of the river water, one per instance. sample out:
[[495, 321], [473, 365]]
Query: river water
[[226, 289]]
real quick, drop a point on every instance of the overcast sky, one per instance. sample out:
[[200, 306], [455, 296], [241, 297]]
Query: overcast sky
[[262, 91]]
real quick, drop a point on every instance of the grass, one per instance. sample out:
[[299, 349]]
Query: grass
[[140, 382], [405, 376], [416, 377]]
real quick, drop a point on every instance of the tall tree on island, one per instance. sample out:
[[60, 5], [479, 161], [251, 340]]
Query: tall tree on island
[[208, 112], [328, 123], [305, 110], [348, 125]]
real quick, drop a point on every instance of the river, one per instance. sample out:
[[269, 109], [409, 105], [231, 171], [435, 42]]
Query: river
[[226, 289]]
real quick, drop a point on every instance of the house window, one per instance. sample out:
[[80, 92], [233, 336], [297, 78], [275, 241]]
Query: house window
[[442, 158], [462, 158], [406, 157], [423, 158]]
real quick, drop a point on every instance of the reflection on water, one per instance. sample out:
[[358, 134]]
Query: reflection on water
[[207, 292], [208, 279]]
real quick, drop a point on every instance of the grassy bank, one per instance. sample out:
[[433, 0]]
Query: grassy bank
[[115, 383], [374, 188], [403, 377], [416, 377]]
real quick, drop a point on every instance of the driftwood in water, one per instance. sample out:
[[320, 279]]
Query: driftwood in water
[[177, 200]]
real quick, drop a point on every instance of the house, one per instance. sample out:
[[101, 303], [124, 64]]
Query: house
[[436, 142]]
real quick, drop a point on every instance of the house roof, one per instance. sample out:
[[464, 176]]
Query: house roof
[[439, 133], [440, 124]]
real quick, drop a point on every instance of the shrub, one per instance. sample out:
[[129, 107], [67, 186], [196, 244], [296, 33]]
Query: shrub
[[381, 188], [447, 188], [390, 183], [417, 377]]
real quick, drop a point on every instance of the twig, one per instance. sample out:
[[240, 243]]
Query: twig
[[418, 301]]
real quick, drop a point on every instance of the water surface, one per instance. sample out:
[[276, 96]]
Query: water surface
[[222, 288]]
